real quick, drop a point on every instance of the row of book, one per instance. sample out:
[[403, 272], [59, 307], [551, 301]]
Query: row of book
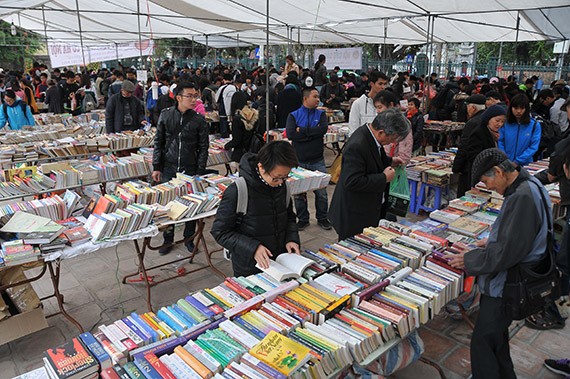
[[50, 119], [433, 168], [53, 131], [302, 180], [119, 222]]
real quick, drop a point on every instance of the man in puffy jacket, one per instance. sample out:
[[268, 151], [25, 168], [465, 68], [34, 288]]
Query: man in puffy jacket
[[15, 112], [268, 227], [124, 111], [306, 128], [180, 145]]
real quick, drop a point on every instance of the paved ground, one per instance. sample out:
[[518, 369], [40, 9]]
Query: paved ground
[[94, 295]]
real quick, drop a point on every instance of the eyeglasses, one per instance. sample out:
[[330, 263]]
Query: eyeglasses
[[277, 180], [193, 96]]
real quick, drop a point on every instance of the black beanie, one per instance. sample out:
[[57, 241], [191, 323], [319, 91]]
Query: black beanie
[[484, 161], [492, 111]]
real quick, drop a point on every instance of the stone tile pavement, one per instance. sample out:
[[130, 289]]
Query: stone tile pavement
[[94, 295]]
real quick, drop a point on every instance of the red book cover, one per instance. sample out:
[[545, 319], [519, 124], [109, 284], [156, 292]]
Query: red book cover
[[70, 222], [276, 316], [159, 366], [70, 359], [235, 286], [77, 234], [109, 373]]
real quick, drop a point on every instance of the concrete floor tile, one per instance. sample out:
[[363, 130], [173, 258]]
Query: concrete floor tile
[[8, 368], [29, 349], [461, 332], [459, 362], [436, 345], [555, 345], [527, 359]]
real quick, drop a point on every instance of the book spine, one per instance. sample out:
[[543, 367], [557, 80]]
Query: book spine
[[133, 371], [122, 337], [169, 321], [237, 333], [193, 362], [187, 371], [200, 307], [109, 373], [191, 310], [146, 368], [165, 346], [159, 366], [114, 353], [153, 324], [146, 337], [96, 349], [129, 333], [121, 372], [143, 325], [178, 312], [114, 340], [264, 366], [197, 351]]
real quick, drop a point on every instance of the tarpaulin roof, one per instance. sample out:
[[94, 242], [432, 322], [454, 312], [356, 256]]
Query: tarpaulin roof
[[232, 22]]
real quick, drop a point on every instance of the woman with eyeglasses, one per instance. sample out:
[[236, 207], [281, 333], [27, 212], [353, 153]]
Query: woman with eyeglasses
[[268, 228]]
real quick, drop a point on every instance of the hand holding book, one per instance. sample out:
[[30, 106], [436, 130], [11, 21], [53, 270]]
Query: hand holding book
[[261, 256], [457, 261]]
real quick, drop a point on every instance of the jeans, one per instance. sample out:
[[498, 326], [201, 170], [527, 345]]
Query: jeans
[[490, 353], [189, 227], [321, 197]]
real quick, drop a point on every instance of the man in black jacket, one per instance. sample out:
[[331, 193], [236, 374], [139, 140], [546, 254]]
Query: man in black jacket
[[268, 227], [180, 145], [366, 171], [306, 128], [124, 111]]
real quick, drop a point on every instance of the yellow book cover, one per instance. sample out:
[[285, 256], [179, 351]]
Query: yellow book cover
[[304, 301], [314, 297], [319, 293], [218, 297], [281, 353]]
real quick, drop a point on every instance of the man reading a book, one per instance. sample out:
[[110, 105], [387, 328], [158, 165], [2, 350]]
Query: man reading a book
[[519, 235], [180, 145], [268, 228]]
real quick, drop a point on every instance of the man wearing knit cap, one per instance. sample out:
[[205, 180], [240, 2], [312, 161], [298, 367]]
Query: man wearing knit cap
[[124, 111], [519, 235]]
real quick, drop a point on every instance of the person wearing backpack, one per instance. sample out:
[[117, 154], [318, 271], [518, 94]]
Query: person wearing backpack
[[267, 228], [15, 112], [518, 236], [520, 137], [224, 101]]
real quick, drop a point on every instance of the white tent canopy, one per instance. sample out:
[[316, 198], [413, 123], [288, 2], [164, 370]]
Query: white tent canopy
[[228, 23]]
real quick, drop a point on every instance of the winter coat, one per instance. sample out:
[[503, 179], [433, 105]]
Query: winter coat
[[114, 113], [308, 141], [268, 221], [17, 117], [243, 126], [181, 142], [289, 100], [520, 141]]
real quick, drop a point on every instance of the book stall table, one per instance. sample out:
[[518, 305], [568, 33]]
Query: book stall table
[[436, 131], [197, 237]]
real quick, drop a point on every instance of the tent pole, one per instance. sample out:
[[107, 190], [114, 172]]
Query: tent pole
[[193, 58], [560, 69], [117, 52], [80, 34], [516, 41], [427, 76], [237, 50], [140, 35], [207, 50], [431, 46], [266, 52], [384, 47], [500, 51], [45, 25]]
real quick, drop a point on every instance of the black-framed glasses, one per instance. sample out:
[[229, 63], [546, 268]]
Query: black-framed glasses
[[278, 180], [192, 96]]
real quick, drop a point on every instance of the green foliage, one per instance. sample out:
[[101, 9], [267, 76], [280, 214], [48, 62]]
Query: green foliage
[[16, 52], [522, 52]]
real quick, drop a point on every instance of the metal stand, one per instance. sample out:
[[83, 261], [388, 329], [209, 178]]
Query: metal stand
[[149, 280], [54, 276]]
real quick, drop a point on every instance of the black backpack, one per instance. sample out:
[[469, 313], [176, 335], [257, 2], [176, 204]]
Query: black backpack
[[261, 126]]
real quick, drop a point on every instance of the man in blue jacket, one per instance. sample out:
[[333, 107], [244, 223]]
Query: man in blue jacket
[[15, 112], [306, 127]]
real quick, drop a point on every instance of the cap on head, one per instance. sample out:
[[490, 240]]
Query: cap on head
[[476, 99], [486, 160]]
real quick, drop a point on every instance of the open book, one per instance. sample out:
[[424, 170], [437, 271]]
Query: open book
[[287, 266]]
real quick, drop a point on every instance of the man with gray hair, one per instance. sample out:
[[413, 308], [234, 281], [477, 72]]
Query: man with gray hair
[[366, 171], [518, 235]]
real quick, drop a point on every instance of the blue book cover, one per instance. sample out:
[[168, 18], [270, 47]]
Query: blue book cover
[[147, 338], [250, 328], [141, 323], [169, 321], [96, 349], [146, 368], [200, 307], [175, 309]]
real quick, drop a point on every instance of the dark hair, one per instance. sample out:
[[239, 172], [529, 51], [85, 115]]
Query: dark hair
[[494, 95], [320, 61], [70, 74], [307, 91], [164, 78], [228, 77], [277, 153], [545, 93], [385, 97], [392, 122], [290, 57], [43, 74], [529, 81], [239, 100], [375, 75], [463, 81], [10, 93], [180, 87], [519, 101], [415, 101]]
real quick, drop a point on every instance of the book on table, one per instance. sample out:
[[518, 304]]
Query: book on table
[[287, 266], [281, 353], [70, 361]]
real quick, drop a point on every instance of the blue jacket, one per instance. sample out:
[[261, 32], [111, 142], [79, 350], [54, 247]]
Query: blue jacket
[[308, 140], [16, 115], [520, 142]]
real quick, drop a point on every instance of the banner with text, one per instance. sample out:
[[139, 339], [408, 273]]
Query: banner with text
[[62, 54], [349, 58]]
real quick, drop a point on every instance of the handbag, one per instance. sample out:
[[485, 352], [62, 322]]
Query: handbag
[[531, 286], [335, 168]]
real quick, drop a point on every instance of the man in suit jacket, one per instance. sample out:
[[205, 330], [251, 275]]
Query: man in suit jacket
[[366, 171]]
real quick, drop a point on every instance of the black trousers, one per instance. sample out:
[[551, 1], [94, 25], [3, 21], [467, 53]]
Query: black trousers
[[490, 353]]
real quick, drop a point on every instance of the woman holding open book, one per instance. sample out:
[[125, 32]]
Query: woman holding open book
[[268, 227]]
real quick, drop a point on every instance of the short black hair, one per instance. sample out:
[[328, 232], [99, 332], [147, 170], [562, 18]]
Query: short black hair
[[70, 74], [307, 91], [529, 81], [545, 93], [385, 97], [180, 87], [10, 93], [463, 81], [415, 101], [228, 77], [277, 153], [519, 101], [43, 74], [375, 75]]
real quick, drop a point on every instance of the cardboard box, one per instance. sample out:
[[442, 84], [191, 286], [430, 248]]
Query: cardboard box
[[21, 325]]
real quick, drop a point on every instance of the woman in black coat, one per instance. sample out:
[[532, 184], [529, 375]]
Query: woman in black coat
[[243, 125], [269, 227], [483, 137]]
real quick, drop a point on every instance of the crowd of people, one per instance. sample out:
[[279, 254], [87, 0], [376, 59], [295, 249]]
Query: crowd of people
[[507, 126]]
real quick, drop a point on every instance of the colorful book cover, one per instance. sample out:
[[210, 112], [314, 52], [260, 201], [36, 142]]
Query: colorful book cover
[[70, 359], [281, 353]]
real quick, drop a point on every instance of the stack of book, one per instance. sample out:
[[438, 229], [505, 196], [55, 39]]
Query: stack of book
[[216, 152], [123, 221], [16, 252], [302, 180], [73, 360]]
